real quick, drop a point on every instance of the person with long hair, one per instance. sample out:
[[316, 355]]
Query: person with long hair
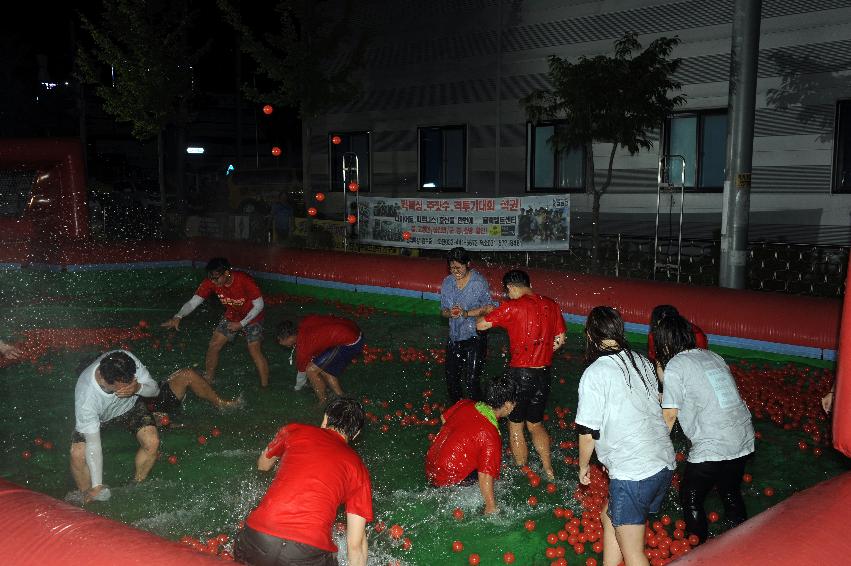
[[701, 393], [620, 418], [661, 311]]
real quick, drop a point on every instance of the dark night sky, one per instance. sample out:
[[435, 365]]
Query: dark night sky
[[37, 30], [50, 30]]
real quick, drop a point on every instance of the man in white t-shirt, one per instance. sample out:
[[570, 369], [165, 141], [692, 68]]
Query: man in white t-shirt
[[110, 391], [701, 393]]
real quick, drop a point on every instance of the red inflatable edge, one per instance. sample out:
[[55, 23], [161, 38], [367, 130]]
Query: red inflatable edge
[[772, 317], [43, 530], [806, 528]]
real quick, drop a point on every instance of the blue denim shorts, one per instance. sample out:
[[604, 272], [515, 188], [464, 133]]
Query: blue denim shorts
[[253, 332], [631, 501], [335, 360]]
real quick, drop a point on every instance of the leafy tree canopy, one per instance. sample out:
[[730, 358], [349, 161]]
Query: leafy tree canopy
[[618, 99], [145, 45], [307, 59]]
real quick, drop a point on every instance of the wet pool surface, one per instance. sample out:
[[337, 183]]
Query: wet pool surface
[[63, 319]]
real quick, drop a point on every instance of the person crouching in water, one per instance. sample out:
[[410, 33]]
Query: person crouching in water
[[619, 416], [700, 392], [468, 445]]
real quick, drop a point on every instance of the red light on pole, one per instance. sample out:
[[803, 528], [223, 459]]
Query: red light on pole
[[353, 186], [351, 219], [276, 151], [406, 235], [336, 140], [311, 211], [267, 109], [319, 197]]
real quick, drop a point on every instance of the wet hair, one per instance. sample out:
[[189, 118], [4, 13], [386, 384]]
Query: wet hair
[[117, 366], [458, 254], [515, 277], [500, 391], [605, 323], [660, 312], [285, 329], [346, 416], [672, 335], [218, 265]]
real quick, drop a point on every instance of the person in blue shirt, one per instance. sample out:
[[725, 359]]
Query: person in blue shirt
[[464, 295]]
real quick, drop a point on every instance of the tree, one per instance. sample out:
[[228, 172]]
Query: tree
[[146, 46], [308, 60], [620, 100]]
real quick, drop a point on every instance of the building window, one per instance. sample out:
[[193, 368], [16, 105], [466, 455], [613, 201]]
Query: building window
[[701, 138], [842, 148], [350, 145], [443, 158], [551, 170]]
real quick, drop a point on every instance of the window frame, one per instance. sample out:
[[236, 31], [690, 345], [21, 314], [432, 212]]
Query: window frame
[[465, 159], [331, 183], [699, 113], [835, 173], [530, 162]]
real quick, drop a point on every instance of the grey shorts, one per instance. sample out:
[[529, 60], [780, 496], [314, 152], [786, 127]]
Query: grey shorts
[[253, 332]]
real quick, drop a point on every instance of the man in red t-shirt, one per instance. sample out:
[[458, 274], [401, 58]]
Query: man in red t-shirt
[[535, 330], [469, 441], [243, 303], [324, 346], [661, 311], [318, 472]]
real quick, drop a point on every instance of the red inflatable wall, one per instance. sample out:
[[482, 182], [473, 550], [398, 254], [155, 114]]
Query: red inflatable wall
[[772, 317], [57, 208], [842, 396], [40, 530], [805, 529]]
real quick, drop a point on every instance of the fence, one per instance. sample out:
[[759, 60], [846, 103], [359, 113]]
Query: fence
[[800, 269]]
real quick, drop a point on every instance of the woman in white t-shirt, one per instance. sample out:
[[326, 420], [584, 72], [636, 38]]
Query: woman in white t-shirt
[[619, 416], [700, 392]]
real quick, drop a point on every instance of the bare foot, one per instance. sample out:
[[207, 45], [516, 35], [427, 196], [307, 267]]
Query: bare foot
[[230, 404]]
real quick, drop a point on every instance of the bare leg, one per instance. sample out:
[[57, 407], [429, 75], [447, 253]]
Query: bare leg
[[313, 375], [149, 443], [541, 442], [79, 468], [332, 382], [189, 379], [256, 351], [631, 543], [519, 449], [217, 342], [611, 551]]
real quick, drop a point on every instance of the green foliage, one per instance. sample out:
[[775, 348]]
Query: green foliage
[[148, 50], [616, 99], [308, 59]]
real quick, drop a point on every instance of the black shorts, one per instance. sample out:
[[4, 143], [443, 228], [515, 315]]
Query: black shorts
[[533, 392], [259, 549], [165, 402], [133, 420]]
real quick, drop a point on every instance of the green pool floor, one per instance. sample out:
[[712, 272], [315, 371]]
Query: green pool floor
[[213, 486]]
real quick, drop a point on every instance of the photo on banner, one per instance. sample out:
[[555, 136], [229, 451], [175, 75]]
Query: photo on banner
[[527, 223]]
